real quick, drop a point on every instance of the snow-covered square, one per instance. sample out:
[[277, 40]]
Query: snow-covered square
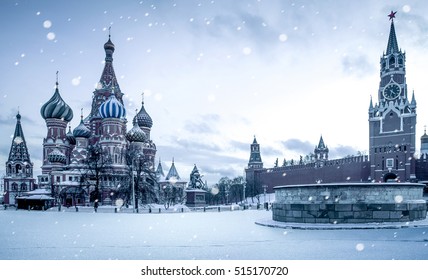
[[211, 235]]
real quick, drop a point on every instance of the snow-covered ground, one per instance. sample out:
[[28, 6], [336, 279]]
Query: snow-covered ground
[[210, 235]]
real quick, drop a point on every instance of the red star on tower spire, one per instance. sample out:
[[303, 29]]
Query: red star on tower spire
[[392, 15]]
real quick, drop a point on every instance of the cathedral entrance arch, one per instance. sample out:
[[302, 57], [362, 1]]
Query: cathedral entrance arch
[[389, 177]]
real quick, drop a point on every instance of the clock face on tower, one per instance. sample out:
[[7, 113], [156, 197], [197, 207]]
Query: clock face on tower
[[391, 91]]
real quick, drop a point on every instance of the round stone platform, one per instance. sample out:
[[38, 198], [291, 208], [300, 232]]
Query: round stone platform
[[348, 226], [352, 203]]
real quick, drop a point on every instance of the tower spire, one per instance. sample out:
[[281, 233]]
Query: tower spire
[[255, 161], [18, 149], [392, 46]]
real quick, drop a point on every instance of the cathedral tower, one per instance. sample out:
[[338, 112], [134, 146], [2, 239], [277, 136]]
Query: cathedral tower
[[107, 84], [145, 122], [56, 145], [19, 168], [392, 121]]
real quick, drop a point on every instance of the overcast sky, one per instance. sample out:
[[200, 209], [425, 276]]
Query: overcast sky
[[214, 73]]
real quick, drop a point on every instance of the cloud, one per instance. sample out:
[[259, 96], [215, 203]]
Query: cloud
[[206, 124], [298, 146], [341, 152], [358, 65]]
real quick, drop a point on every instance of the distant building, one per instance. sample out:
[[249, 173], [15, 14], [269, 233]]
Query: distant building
[[392, 130]]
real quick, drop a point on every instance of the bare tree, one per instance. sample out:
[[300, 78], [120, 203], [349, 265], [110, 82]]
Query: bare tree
[[96, 164], [144, 179]]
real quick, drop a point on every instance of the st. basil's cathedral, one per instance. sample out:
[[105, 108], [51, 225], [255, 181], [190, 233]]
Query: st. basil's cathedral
[[65, 152]]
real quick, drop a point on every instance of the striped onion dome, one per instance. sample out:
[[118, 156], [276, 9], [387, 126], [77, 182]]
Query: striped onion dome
[[70, 137], [56, 108], [112, 108], [81, 130], [136, 134], [56, 156]]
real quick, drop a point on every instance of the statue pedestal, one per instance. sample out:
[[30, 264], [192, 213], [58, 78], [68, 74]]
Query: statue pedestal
[[195, 198]]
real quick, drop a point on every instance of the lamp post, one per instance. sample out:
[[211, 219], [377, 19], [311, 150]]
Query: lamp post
[[133, 188], [244, 186], [264, 191]]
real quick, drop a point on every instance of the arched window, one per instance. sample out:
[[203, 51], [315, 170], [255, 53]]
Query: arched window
[[14, 186], [9, 168], [400, 61], [18, 169], [23, 187], [392, 62]]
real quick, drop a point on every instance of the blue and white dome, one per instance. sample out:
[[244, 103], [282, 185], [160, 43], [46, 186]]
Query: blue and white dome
[[112, 108], [82, 131], [56, 108]]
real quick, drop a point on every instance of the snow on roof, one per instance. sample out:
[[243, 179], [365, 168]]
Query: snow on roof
[[36, 197], [38, 191]]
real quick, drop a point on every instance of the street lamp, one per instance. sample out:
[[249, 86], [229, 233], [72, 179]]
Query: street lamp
[[264, 192], [133, 188], [244, 186]]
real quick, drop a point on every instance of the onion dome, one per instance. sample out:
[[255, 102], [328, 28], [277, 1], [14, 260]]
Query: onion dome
[[109, 49], [56, 108], [70, 137], [109, 45], [81, 130], [112, 108], [56, 156], [142, 118], [136, 134], [424, 138]]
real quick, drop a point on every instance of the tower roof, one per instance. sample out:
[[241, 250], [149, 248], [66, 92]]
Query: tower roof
[[424, 138], [108, 77], [56, 108], [143, 118], [159, 170], [70, 137], [321, 144], [392, 46], [172, 173], [18, 149], [107, 83], [81, 130], [136, 134]]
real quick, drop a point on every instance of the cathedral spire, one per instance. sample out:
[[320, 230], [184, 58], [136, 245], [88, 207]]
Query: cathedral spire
[[18, 149], [413, 102], [172, 173], [392, 46], [159, 170], [108, 77]]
